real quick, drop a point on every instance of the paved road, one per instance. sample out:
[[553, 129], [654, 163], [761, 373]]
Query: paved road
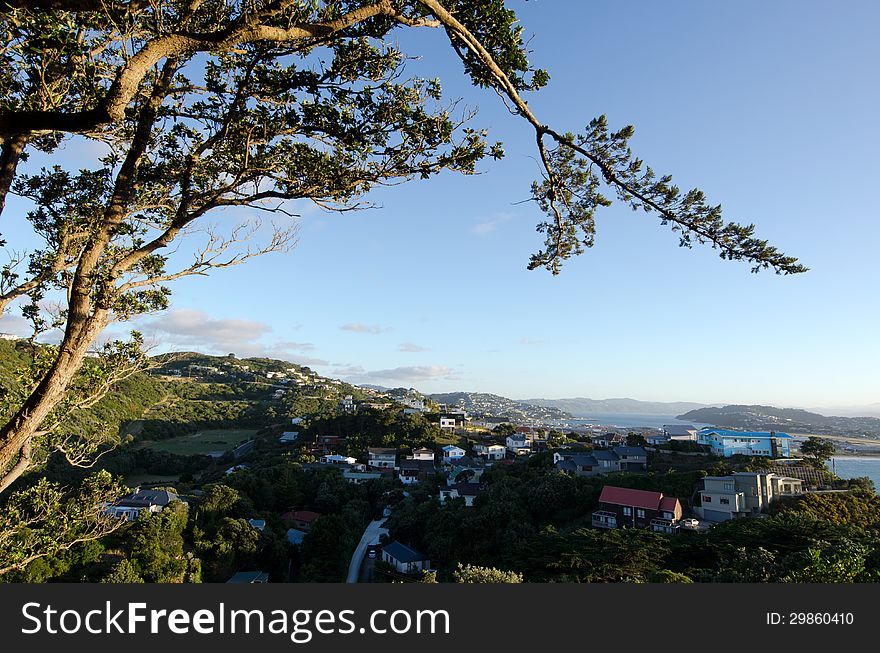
[[370, 536]]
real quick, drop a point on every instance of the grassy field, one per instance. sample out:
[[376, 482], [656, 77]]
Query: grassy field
[[203, 442], [135, 480]]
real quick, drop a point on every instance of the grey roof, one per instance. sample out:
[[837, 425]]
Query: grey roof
[[604, 455], [629, 451], [249, 577], [578, 459], [381, 451], [678, 429], [566, 465], [147, 498], [403, 553], [467, 489]]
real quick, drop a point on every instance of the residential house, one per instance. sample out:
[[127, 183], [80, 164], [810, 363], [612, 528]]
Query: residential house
[[250, 577], [744, 493], [624, 507], [452, 453], [405, 559], [518, 445], [466, 491], [608, 440], [139, 501], [490, 451], [328, 442], [423, 454], [602, 461], [412, 470], [382, 457], [681, 432], [360, 477], [301, 519], [336, 459], [347, 405], [726, 443]]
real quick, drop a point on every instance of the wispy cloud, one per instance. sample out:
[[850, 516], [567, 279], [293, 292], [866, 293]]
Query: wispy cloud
[[528, 342], [192, 329], [357, 327], [411, 347], [15, 325], [486, 227], [407, 374]]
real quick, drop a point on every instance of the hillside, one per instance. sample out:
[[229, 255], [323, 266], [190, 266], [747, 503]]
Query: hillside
[[583, 407], [792, 420], [480, 404]]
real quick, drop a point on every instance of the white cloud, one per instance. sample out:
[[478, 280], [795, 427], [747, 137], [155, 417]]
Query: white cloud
[[192, 329], [488, 226], [408, 373], [529, 342], [357, 327], [411, 347]]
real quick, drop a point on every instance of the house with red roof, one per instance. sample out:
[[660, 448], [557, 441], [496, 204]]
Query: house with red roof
[[627, 508], [301, 519]]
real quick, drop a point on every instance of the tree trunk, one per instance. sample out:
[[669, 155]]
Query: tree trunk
[[16, 435], [10, 154]]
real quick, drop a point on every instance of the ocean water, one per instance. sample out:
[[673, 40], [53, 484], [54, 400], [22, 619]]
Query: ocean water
[[626, 420], [855, 466]]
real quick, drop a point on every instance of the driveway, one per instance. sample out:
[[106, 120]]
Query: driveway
[[371, 536]]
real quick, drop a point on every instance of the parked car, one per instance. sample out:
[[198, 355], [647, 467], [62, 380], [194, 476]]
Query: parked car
[[690, 523], [372, 552]]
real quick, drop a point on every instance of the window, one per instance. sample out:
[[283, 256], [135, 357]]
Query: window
[[627, 511], [707, 499], [640, 513], [724, 502], [728, 487]]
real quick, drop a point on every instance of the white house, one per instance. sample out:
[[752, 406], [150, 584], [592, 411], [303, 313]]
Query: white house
[[405, 559], [518, 444], [447, 423], [490, 451], [451, 453], [423, 454], [336, 459], [381, 457], [466, 491]]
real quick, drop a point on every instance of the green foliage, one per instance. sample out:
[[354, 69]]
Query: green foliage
[[46, 519], [817, 450], [475, 574], [123, 572]]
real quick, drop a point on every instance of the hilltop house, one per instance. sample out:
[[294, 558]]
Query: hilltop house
[[423, 454], [624, 507], [724, 442], [404, 559], [139, 501], [347, 405], [382, 457], [744, 493]]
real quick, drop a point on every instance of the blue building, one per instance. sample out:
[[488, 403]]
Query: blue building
[[724, 442]]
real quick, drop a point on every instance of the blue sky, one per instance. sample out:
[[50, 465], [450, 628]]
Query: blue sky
[[770, 108]]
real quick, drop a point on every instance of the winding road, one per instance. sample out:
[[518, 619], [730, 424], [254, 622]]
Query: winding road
[[371, 536]]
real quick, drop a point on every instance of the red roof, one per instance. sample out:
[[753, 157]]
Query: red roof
[[669, 503], [301, 515], [637, 498]]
